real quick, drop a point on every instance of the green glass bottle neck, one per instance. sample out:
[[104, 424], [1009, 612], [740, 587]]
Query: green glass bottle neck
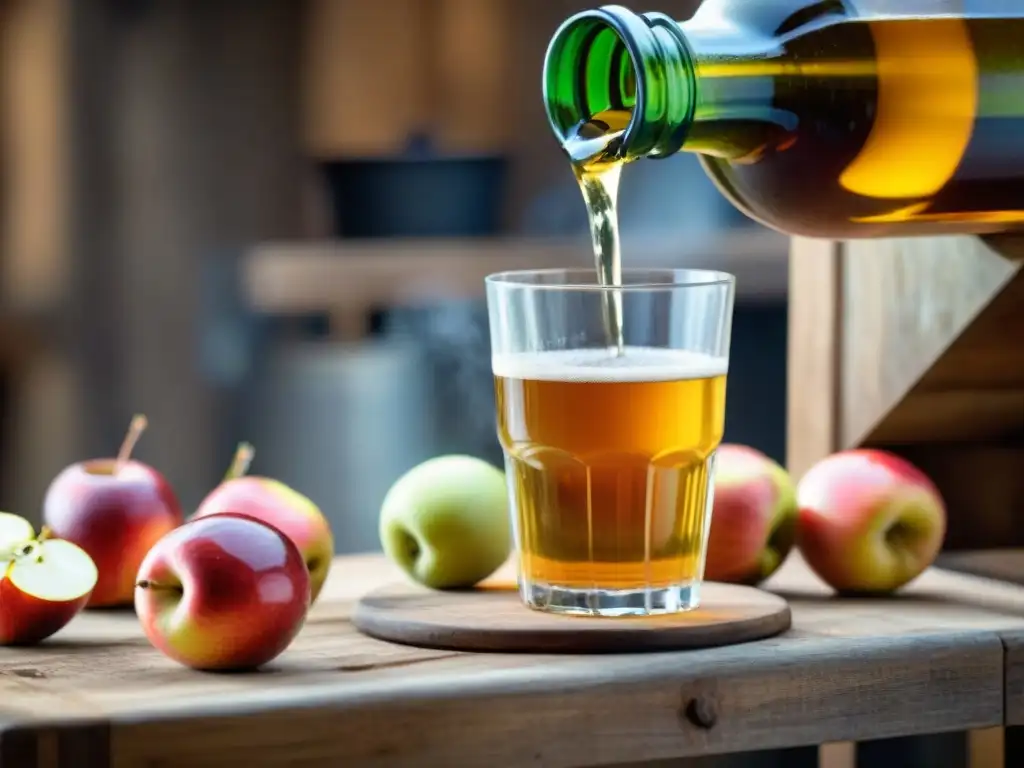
[[653, 68]]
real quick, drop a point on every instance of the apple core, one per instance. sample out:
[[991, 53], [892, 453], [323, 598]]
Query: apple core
[[100, 468]]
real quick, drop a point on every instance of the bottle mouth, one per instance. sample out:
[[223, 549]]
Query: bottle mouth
[[612, 60], [589, 69]]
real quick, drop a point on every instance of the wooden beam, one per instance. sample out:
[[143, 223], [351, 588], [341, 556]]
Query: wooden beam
[[930, 349], [815, 313]]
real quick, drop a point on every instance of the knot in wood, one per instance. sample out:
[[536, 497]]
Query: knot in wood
[[701, 712]]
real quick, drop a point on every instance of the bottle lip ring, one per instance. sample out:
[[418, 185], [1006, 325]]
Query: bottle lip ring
[[582, 279], [613, 17]]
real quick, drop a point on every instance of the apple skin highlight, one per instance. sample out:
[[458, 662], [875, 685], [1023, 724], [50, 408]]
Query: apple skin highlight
[[116, 514], [224, 592], [870, 522], [283, 508]]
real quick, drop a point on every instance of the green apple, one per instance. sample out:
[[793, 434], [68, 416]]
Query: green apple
[[445, 522]]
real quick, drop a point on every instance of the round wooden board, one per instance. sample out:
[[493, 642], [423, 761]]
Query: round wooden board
[[496, 620]]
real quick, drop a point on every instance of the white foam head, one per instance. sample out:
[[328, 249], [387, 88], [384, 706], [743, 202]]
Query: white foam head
[[636, 364]]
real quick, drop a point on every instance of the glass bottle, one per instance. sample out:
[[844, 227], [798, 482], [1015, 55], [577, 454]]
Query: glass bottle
[[827, 118]]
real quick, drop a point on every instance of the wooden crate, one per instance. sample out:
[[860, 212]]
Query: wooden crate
[[916, 346]]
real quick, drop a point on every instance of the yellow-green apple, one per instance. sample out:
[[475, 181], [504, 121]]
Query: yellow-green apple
[[278, 505], [44, 584], [870, 521], [445, 522], [226, 592], [114, 509], [753, 521]]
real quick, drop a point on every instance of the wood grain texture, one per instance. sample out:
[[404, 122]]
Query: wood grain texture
[[815, 312], [497, 620], [632, 709], [975, 388], [930, 660], [905, 303], [1005, 565]]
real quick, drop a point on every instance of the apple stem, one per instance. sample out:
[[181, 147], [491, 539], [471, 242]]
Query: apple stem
[[135, 430], [156, 586], [242, 460]]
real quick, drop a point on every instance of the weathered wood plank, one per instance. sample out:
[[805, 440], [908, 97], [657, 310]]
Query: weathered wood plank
[[910, 307], [1006, 565], [634, 707], [927, 661], [1014, 643], [813, 427]]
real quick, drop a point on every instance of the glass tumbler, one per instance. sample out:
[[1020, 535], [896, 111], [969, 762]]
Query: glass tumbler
[[610, 407]]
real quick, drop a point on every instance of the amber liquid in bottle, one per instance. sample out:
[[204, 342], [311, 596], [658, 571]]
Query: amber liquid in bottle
[[826, 118], [923, 129]]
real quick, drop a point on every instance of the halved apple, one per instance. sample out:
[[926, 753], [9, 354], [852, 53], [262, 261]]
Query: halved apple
[[14, 530], [44, 584]]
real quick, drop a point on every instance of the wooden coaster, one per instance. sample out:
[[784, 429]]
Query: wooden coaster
[[496, 620]]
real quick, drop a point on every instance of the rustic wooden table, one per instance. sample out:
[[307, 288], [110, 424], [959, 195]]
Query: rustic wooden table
[[1004, 565], [929, 661]]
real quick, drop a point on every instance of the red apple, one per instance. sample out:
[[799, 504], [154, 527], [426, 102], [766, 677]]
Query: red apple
[[753, 522], [274, 503], [225, 592], [869, 522], [45, 582], [114, 509]]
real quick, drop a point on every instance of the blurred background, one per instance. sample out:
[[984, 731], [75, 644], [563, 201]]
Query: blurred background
[[270, 220]]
